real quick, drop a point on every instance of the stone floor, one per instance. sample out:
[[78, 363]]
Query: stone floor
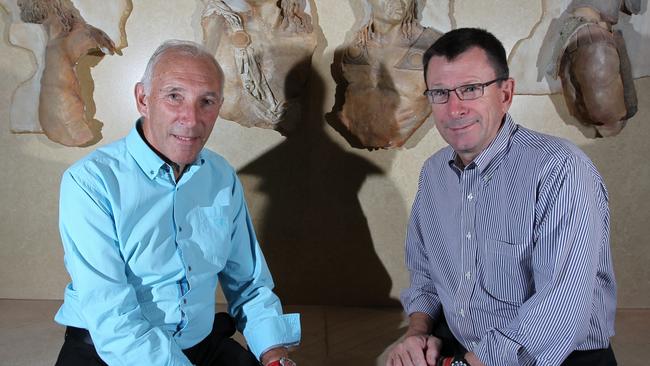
[[331, 335]]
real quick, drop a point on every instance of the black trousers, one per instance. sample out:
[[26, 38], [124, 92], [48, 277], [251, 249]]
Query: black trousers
[[217, 349], [599, 357]]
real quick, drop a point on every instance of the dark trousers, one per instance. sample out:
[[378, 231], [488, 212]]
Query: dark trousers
[[217, 349], [599, 357]]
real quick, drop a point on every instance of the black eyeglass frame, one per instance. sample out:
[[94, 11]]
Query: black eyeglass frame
[[482, 86]]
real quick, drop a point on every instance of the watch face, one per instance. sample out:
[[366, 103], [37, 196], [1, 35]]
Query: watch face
[[459, 363]]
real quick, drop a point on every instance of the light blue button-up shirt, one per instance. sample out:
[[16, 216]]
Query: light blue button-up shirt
[[145, 254]]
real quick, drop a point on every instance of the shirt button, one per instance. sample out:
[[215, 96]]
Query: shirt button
[[470, 197], [473, 344], [151, 172], [468, 275], [189, 268], [462, 313], [180, 333], [180, 228], [184, 301], [468, 236]]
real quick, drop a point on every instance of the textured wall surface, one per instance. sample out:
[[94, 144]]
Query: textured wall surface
[[331, 219]]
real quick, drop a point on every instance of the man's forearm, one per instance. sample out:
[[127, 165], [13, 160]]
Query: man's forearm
[[274, 354], [419, 323]]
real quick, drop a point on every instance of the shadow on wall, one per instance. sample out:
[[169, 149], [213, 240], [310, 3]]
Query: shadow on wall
[[314, 234]]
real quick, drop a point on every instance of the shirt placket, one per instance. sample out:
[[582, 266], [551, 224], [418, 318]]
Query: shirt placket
[[184, 283], [469, 248]]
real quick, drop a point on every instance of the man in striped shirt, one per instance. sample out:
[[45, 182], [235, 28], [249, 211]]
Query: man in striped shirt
[[508, 240]]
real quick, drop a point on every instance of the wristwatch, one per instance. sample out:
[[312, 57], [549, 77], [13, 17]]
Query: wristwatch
[[284, 361], [452, 361]]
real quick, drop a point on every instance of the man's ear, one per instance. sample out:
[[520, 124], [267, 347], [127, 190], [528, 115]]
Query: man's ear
[[507, 92], [141, 99]]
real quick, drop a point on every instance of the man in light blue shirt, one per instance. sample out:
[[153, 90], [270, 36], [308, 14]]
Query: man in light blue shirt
[[151, 223]]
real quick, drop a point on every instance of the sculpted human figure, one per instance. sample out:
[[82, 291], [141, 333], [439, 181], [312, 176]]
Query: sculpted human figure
[[61, 109], [266, 54], [594, 67], [384, 104]]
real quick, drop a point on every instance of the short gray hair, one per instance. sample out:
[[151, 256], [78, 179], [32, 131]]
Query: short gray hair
[[186, 48]]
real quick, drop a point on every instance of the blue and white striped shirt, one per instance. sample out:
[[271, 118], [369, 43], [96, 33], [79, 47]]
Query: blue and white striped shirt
[[514, 249]]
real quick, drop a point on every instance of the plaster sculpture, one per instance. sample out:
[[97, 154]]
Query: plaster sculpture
[[384, 102], [265, 49], [532, 59], [58, 35], [594, 67]]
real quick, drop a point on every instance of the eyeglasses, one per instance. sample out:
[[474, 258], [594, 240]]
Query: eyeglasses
[[463, 92]]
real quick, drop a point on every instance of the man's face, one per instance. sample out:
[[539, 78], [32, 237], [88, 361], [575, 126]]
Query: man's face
[[182, 106], [468, 125], [389, 11]]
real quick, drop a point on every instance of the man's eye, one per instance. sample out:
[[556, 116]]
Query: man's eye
[[470, 88], [438, 92], [174, 97], [209, 102]]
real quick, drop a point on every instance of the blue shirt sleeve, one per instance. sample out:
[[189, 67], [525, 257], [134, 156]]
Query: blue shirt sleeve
[[107, 302], [572, 230], [421, 295], [247, 284]]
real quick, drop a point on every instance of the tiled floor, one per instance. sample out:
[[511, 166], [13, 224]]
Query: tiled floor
[[331, 335]]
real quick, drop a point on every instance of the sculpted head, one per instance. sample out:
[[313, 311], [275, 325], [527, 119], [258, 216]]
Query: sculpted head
[[382, 15], [38, 11], [294, 17], [179, 98], [388, 11]]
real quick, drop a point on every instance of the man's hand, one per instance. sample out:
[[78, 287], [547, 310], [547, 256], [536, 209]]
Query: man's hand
[[274, 354], [415, 350]]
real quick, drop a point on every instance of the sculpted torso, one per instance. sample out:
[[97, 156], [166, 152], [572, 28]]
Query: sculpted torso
[[384, 101], [266, 66], [384, 104], [61, 109]]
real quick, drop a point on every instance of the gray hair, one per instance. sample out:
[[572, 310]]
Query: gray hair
[[186, 48]]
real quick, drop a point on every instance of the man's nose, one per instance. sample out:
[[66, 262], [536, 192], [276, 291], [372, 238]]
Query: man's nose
[[189, 114], [455, 105]]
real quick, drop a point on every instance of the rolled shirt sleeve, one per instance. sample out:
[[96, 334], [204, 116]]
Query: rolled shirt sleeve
[[421, 295], [247, 283]]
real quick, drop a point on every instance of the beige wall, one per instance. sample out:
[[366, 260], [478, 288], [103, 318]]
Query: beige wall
[[331, 218]]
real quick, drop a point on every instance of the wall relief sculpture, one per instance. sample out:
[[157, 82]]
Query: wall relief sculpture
[[584, 55], [265, 48], [58, 34], [382, 75]]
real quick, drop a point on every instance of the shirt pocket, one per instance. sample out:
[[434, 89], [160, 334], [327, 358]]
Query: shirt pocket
[[211, 233], [508, 271]]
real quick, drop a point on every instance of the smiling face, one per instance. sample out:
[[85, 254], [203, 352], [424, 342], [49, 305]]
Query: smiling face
[[181, 107], [469, 126]]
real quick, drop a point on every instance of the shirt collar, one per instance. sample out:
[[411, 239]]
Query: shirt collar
[[490, 158], [148, 160]]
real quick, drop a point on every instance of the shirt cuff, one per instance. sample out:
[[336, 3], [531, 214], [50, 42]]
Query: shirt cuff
[[262, 335], [422, 304], [497, 349]]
